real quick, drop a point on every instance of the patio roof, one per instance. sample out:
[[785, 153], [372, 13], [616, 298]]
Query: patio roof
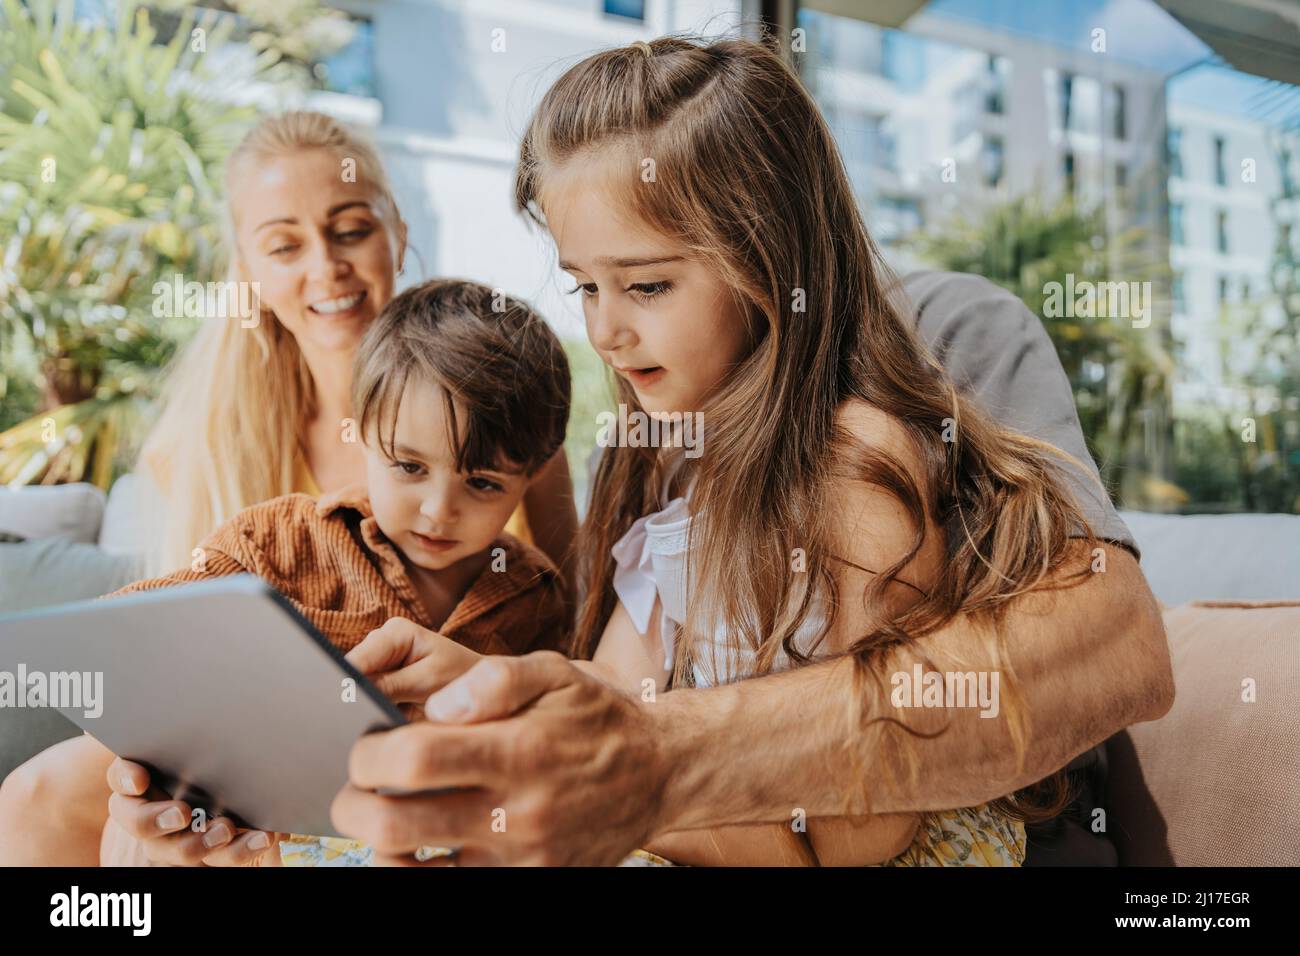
[[1255, 36], [1261, 37]]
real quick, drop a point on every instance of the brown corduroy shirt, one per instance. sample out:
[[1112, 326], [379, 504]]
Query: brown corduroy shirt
[[341, 572]]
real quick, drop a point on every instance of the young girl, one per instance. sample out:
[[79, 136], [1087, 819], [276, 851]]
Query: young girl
[[847, 500]]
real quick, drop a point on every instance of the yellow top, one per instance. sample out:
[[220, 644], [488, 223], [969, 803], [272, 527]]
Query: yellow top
[[305, 483]]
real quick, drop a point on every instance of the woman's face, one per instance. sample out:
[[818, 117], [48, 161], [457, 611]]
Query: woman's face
[[665, 322], [321, 256]]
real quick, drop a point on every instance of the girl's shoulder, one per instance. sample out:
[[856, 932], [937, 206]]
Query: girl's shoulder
[[868, 427], [875, 526]]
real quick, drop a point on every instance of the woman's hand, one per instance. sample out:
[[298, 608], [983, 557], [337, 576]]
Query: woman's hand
[[408, 663], [146, 828]]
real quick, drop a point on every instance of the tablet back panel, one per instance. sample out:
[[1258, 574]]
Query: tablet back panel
[[235, 701]]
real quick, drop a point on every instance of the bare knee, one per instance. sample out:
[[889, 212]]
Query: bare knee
[[53, 807], [23, 795], [21, 792]]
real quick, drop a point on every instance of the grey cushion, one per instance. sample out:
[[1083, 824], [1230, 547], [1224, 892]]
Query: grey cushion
[[38, 574], [132, 517], [65, 511], [1245, 557]]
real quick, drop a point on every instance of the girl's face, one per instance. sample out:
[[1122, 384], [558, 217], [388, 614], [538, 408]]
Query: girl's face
[[316, 247], [663, 321]]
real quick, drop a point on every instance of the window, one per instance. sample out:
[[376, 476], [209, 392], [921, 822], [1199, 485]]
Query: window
[[349, 70], [883, 148], [352, 68], [897, 216], [991, 161], [996, 80], [1136, 149], [632, 9]]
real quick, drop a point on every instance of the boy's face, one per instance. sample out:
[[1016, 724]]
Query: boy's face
[[435, 515]]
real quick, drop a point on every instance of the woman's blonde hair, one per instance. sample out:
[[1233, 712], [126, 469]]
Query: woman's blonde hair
[[237, 397], [748, 178]]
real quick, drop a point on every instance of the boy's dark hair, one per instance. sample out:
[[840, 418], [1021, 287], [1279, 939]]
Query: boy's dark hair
[[480, 347]]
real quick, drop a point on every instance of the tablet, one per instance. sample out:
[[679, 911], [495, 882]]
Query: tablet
[[235, 702]]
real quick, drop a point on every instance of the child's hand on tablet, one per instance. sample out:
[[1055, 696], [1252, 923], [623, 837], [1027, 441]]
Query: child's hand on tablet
[[167, 833], [408, 662]]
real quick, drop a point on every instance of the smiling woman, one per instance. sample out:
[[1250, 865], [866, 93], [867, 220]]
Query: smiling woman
[[314, 226]]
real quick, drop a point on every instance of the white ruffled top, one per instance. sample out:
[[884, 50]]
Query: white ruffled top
[[651, 562]]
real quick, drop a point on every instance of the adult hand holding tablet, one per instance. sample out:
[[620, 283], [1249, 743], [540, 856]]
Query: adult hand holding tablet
[[577, 765]]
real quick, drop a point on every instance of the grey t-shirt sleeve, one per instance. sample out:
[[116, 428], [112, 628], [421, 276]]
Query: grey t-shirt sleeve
[[998, 352]]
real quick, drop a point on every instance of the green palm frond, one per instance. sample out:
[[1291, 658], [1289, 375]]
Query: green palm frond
[[110, 151], [1023, 244]]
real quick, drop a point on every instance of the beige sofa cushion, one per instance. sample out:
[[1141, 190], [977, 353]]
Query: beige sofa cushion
[[1216, 781]]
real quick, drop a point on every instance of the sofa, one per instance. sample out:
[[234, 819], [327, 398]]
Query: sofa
[[1214, 782]]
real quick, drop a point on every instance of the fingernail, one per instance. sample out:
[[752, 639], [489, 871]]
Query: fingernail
[[452, 703], [259, 841], [217, 836], [127, 784], [171, 818]]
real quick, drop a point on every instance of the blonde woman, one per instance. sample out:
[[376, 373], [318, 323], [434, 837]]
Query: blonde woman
[[258, 407]]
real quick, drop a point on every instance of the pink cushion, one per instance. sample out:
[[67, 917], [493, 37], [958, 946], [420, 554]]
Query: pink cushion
[[1216, 781]]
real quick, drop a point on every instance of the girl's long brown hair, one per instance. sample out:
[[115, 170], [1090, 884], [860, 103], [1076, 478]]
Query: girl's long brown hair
[[746, 175]]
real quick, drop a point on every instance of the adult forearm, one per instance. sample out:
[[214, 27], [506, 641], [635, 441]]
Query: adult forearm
[[1084, 661]]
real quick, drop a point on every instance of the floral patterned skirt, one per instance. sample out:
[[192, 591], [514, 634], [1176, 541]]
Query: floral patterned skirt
[[300, 850], [973, 836]]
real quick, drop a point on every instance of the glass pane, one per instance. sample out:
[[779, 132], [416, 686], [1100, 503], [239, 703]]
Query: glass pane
[[1028, 144]]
